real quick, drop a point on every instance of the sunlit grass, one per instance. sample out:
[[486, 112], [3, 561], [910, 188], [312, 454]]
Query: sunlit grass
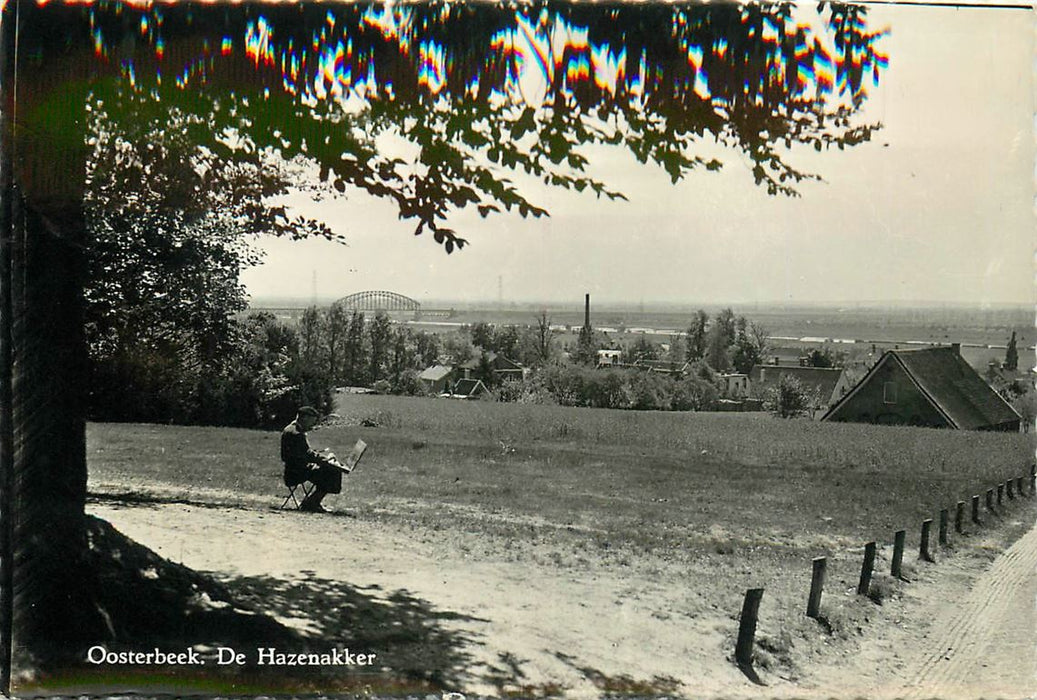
[[657, 481]]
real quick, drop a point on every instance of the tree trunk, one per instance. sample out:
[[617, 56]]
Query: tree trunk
[[46, 587]]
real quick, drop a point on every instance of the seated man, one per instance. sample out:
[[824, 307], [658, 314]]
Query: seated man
[[303, 464]]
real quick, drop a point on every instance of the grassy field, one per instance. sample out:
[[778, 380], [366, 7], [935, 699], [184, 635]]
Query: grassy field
[[674, 484], [704, 504]]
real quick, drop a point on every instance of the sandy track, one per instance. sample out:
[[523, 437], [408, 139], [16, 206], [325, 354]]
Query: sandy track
[[986, 644], [529, 625], [962, 633]]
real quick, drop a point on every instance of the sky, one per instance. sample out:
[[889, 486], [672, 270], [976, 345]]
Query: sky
[[938, 207]]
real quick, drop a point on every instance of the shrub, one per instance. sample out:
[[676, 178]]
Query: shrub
[[607, 389], [650, 391], [694, 394], [790, 398], [510, 391], [407, 383]]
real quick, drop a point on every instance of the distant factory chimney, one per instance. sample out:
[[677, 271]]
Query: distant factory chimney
[[587, 311]]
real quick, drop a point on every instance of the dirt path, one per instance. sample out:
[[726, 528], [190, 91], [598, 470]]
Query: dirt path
[[964, 628], [986, 644], [643, 629], [530, 625]]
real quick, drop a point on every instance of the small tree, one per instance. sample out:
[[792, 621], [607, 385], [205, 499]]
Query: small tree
[[484, 371], [586, 349], [379, 332], [790, 398], [541, 339], [506, 341], [750, 344], [693, 393], [642, 349], [1026, 405], [481, 334], [1012, 355], [426, 348], [820, 357], [458, 349], [696, 344]]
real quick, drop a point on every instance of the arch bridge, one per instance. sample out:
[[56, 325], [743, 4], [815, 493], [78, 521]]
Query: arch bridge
[[379, 300]]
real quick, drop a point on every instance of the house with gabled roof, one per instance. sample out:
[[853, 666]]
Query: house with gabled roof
[[468, 389], [503, 368], [932, 387], [437, 378]]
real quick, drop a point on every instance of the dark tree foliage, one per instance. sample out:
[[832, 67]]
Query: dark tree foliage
[[482, 335], [466, 128], [790, 398], [484, 371], [696, 336], [642, 349], [825, 356], [1012, 355], [750, 345], [380, 335], [168, 225], [586, 350], [426, 348]]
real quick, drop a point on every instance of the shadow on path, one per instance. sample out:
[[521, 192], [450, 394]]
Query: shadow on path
[[406, 635], [145, 603]]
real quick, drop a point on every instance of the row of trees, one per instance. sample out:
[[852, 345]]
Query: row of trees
[[258, 380], [568, 384], [349, 350], [728, 342]]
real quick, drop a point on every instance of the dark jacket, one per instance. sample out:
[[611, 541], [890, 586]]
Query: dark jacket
[[296, 453]]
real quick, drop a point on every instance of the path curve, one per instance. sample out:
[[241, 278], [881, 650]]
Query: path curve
[[985, 645]]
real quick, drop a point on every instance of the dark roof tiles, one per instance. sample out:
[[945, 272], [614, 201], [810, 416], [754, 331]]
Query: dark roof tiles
[[955, 387]]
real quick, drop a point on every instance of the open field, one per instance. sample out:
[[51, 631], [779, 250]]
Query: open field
[[674, 514], [658, 480]]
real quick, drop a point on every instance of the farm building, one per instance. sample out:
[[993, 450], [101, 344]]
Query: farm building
[[503, 368], [823, 383], [468, 389], [932, 387], [436, 379], [609, 358], [736, 385]]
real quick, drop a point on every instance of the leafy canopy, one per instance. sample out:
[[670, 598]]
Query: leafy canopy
[[431, 106]]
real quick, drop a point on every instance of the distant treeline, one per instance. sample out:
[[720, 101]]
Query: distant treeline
[[255, 371]]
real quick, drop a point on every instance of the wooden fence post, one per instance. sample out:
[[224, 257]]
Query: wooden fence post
[[990, 500], [817, 584], [1009, 490], [1000, 494], [923, 547], [898, 553], [747, 626], [943, 527], [975, 510], [959, 518], [869, 564]]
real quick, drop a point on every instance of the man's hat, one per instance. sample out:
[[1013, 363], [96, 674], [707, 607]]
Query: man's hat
[[308, 411]]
